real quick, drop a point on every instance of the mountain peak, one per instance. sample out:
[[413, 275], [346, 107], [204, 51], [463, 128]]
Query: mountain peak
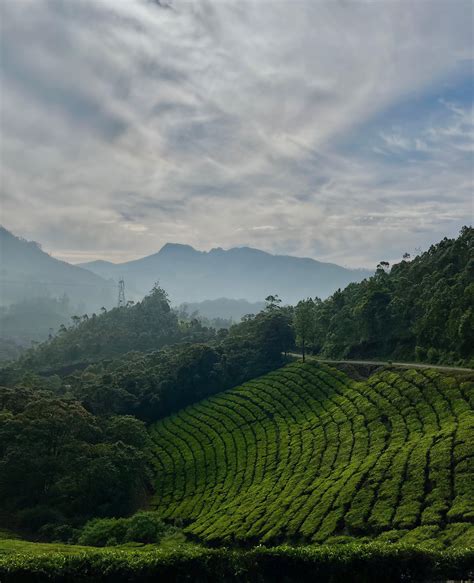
[[175, 248]]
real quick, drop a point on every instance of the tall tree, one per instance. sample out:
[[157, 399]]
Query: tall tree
[[304, 323]]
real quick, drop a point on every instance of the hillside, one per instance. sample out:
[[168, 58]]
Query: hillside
[[34, 320], [307, 454], [27, 272], [194, 276], [147, 325], [419, 309]]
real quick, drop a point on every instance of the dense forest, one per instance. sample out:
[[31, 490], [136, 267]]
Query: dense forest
[[420, 308], [145, 326]]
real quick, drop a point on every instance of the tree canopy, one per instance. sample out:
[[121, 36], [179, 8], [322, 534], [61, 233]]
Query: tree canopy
[[421, 308]]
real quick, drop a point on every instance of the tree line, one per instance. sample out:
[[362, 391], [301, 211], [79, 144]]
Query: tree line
[[419, 309]]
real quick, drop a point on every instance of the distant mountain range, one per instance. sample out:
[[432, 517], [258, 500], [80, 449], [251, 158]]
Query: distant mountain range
[[223, 308], [189, 275], [27, 272]]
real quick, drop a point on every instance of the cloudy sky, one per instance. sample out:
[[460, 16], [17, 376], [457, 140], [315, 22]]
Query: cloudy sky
[[332, 129]]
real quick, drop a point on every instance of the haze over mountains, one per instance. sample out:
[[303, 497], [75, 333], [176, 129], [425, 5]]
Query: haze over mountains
[[189, 275], [27, 272]]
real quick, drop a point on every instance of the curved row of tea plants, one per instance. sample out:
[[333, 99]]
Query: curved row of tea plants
[[307, 454]]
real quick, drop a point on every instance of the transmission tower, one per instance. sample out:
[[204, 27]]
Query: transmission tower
[[121, 293]]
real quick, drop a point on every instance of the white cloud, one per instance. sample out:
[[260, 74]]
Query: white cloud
[[217, 123]]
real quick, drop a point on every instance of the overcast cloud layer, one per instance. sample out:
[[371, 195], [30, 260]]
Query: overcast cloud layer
[[337, 130]]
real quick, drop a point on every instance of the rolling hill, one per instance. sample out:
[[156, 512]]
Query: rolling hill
[[306, 454], [27, 273], [194, 276]]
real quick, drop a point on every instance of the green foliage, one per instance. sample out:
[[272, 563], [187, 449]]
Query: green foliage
[[307, 454], [100, 532], [419, 309], [147, 325], [153, 385], [142, 527], [304, 322], [73, 447], [59, 463], [381, 563]]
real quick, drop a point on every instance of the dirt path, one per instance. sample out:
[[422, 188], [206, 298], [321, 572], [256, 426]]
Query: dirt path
[[386, 363]]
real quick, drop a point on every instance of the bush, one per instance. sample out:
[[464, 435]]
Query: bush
[[143, 527], [99, 531]]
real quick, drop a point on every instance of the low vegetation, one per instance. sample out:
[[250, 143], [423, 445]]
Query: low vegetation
[[142, 527], [305, 454], [372, 563]]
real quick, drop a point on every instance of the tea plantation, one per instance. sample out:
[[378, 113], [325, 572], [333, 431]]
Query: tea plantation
[[306, 454]]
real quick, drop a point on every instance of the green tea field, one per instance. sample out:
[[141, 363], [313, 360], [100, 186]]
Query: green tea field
[[307, 454]]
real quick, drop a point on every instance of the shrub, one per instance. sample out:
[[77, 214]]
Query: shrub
[[99, 531], [142, 527], [145, 527]]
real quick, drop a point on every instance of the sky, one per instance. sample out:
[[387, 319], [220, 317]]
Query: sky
[[337, 130]]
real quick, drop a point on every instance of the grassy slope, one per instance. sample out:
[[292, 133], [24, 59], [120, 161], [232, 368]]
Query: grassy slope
[[307, 454]]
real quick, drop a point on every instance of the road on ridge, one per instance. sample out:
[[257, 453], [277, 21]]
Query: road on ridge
[[385, 363]]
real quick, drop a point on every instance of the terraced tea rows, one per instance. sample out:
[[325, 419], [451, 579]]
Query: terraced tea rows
[[306, 453]]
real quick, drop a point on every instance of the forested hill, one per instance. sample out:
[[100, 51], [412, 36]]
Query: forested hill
[[190, 275], [421, 308], [28, 272], [147, 325]]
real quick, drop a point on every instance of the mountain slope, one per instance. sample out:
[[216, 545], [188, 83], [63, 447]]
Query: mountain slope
[[421, 309], [193, 276], [148, 325], [307, 454], [27, 272]]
